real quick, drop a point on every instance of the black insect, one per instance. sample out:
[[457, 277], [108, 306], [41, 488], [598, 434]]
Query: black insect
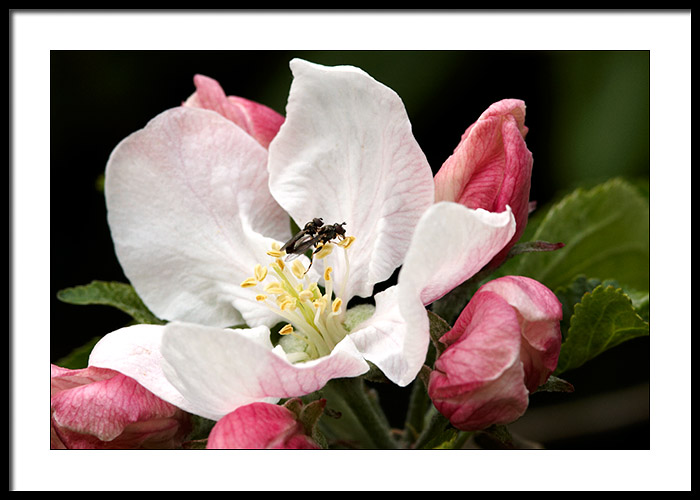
[[303, 240], [327, 233], [313, 235]]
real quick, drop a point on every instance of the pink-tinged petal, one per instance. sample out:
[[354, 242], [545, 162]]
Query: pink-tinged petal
[[191, 214], [539, 312], [260, 426], [478, 379], [135, 352], [346, 153], [219, 370], [452, 243], [97, 408], [491, 167], [395, 337], [257, 120]]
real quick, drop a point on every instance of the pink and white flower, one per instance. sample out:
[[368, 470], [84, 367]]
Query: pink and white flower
[[98, 408], [267, 426], [491, 167], [198, 209], [503, 346]]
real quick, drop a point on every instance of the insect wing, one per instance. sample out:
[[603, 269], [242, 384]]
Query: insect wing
[[299, 246], [289, 245]]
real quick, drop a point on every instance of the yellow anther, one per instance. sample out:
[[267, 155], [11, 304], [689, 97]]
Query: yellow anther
[[275, 245], [286, 329], [249, 282], [274, 287], [325, 251], [336, 305], [260, 272], [260, 297], [283, 297], [280, 264], [320, 304], [345, 243], [298, 269], [275, 253], [306, 295], [289, 304], [327, 273]]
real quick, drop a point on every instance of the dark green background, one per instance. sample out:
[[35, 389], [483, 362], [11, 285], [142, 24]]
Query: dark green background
[[588, 115]]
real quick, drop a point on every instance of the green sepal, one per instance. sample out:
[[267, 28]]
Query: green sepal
[[78, 357], [555, 384], [438, 328], [201, 427]]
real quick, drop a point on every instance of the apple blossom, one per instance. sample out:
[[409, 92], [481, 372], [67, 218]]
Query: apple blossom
[[491, 166], [199, 209], [503, 346], [98, 408], [268, 426]]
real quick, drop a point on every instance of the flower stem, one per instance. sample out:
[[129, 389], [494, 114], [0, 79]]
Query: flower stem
[[435, 425], [415, 416], [351, 395]]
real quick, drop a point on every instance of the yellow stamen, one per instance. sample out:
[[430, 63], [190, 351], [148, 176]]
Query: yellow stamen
[[286, 329], [260, 272], [249, 282], [298, 269], [325, 251], [274, 287], [275, 245], [320, 304], [345, 243], [288, 304], [316, 330], [306, 295]]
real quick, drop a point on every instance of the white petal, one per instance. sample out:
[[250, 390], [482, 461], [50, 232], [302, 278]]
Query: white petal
[[346, 153], [393, 338], [451, 244], [135, 352], [191, 214], [218, 370]]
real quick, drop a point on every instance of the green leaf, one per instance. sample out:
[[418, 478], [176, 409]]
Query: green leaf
[[605, 231], [110, 293], [603, 319], [572, 294]]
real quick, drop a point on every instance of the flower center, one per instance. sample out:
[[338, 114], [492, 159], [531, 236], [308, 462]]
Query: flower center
[[314, 316]]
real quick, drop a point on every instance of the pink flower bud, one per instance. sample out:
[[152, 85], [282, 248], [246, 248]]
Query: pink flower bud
[[98, 408], [259, 121], [264, 426], [539, 313], [491, 166], [504, 344]]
